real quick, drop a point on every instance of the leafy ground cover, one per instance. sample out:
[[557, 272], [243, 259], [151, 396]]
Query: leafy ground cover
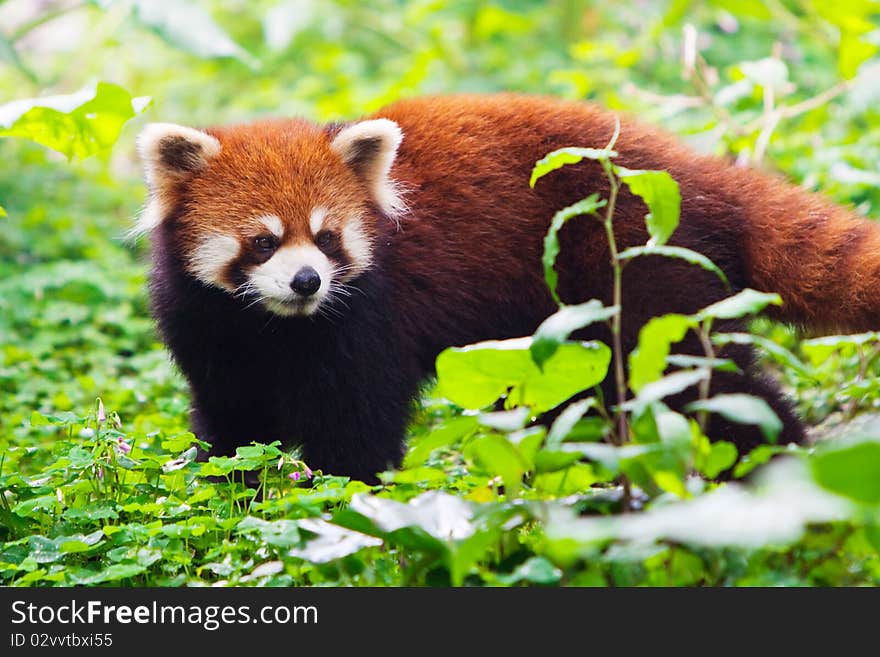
[[98, 481]]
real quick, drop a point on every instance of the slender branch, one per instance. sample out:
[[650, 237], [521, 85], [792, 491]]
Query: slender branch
[[617, 293], [705, 385]]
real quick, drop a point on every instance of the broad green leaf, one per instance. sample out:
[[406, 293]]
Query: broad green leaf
[[588, 205], [721, 456], [439, 514], [187, 26], [559, 158], [671, 384], [718, 364], [507, 421], [555, 329], [278, 533], [673, 428], [675, 252], [112, 573], [758, 456], [743, 409], [852, 470], [551, 461], [854, 51], [496, 456], [648, 360], [660, 193], [330, 542], [449, 433], [79, 542], [43, 550], [78, 125], [477, 375], [780, 353], [563, 424], [746, 302], [751, 8], [536, 570]]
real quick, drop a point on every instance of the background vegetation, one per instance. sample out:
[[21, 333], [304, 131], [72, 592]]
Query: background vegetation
[[106, 492]]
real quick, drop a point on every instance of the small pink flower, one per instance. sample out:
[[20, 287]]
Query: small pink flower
[[100, 473], [102, 415], [294, 476], [308, 472], [123, 446]]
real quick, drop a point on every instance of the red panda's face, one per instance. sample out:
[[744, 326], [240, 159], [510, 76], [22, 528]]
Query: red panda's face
[[277, 213]]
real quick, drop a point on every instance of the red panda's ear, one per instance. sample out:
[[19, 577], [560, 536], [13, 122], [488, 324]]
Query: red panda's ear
[[171, 153], [369, 149]]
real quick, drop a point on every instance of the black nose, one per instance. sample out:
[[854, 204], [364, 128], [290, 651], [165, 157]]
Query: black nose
[[306, 282]]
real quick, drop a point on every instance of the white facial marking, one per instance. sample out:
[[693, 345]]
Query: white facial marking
[[273, 225], [271, 280], [212, 256], [149, 218], [358, 246], [161, 175], [316, 219]]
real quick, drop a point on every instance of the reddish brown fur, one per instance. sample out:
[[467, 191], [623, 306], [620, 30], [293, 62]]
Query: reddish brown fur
[[463, 262]]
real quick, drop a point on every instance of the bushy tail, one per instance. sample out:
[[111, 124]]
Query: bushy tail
[[822, 259]]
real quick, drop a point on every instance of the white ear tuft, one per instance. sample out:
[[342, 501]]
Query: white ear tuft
[[170, 153], [174, 150], [369, 148]]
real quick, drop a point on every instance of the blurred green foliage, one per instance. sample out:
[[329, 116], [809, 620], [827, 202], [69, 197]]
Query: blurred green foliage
[[789, 85]]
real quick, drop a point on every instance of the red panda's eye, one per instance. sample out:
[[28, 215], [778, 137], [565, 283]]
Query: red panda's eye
[[264, 243], [325, 239]]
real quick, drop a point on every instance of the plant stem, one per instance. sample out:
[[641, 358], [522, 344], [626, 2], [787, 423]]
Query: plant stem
[[709, 351], [622, 432]]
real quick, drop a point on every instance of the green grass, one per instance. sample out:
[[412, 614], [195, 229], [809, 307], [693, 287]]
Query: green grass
[[116, 497]]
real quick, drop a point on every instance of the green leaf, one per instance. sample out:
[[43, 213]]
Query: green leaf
[[648, 360], [743, 409], [437, 513], [671, 384], [277, 533], [746, 302], [451, 432], [758, 456], [111, 573], [536, 570], [560, 158], [780, 353], [854, 51], [563, 424], [679, 252], [331, 542], [588, 205], [187, 26], [78, 125], [852, 470], [496, 456], [476, 376], [558, 326], [718, 364], [721, 456], [660, 193]]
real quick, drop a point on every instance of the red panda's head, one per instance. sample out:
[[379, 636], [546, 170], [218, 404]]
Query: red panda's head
[[279, 212]]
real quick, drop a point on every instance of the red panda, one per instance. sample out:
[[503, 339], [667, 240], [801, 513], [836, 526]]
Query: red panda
[[305, 277]]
